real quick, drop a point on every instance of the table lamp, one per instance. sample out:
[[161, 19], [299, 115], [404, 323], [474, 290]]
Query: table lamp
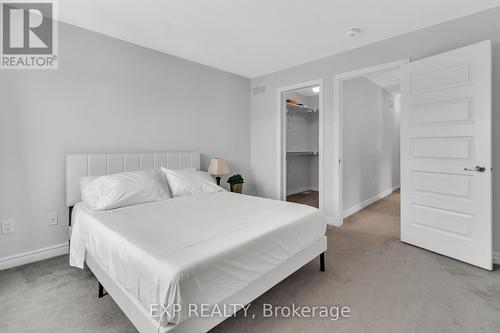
[[217, 168]]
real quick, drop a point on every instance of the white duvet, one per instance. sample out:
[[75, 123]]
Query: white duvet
[[195, 249]]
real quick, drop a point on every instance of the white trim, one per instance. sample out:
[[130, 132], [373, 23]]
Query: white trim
[[371, 69], [337, 128], [281, 155], [357, 208], [333, 221], [496, 258], [32, 256]]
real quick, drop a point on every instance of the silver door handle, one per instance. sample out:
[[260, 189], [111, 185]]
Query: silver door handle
[[477, 168]]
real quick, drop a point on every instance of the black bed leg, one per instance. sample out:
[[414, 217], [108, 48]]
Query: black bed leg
[[101, 291], [322, 262]]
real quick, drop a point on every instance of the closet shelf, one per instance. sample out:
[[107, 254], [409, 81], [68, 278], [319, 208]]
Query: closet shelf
[[301, 153], [299, 108]]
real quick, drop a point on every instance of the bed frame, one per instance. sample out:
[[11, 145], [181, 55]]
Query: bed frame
[[83, 165]]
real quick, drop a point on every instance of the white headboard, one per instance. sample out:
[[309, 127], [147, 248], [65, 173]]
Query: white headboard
[[83, 165]]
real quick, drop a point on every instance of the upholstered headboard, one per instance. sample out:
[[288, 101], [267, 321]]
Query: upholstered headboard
[[83, 165]]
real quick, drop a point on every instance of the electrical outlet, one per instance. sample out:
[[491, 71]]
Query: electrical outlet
[[8, 226], [52, 218]]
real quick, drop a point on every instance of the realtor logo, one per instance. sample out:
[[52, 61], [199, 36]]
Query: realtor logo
[[29, 35]]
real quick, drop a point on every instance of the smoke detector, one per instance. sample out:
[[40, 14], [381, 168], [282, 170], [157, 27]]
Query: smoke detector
[[352, 32]]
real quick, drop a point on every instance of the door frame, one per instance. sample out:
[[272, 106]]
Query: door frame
[[281, 136], [338, 80]]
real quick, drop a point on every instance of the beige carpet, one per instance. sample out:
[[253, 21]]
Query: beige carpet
[[389, 286]]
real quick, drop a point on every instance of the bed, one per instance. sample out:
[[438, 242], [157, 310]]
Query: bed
[[212, 248]]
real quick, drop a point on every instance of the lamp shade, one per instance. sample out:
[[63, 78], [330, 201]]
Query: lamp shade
[[218, 167]]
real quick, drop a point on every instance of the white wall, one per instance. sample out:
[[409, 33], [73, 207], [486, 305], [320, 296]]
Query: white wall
[[415, 45], [369, 136], [107, 95]]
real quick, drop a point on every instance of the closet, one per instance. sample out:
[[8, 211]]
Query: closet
[[302, 145]]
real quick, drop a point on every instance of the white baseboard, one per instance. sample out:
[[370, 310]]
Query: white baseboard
[[32, 256], [301, 189], [332, 221], [496, 258], [357, 208]]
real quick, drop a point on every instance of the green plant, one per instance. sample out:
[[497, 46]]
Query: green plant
[[235, 179]]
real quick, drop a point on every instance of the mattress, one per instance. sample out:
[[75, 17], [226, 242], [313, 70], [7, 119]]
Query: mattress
[[197, 249]]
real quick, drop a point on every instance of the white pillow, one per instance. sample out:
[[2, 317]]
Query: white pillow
[[189, 181], [124, 189]]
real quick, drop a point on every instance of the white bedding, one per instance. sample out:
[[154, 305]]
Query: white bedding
[[194, 249]]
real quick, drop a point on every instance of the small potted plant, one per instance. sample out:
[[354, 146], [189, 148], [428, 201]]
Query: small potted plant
[[236, 183]]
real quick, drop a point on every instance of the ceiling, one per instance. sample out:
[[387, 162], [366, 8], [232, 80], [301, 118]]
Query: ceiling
[[253, 38], [389, 80]]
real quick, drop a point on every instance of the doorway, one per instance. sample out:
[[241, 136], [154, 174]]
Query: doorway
[[445, 151], [370, 139], [300, 143], [367, 106]]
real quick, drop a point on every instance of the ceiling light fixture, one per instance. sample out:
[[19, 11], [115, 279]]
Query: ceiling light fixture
[[352, 32], [315, 90]]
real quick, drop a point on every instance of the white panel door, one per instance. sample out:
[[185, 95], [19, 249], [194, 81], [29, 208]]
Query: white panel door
[[446, 154]]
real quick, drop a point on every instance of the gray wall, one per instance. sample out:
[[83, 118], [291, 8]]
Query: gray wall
[[415, 45], [107, 95], [370, 142]]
